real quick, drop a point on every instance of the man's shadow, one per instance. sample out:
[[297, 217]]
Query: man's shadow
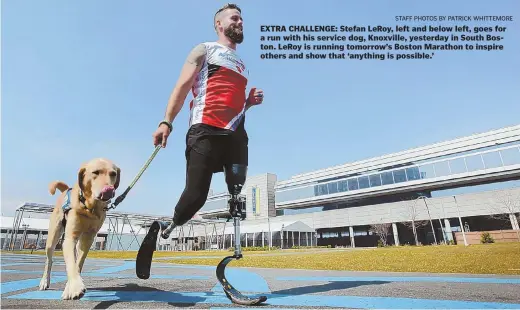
[[128, 292], [340, 285]]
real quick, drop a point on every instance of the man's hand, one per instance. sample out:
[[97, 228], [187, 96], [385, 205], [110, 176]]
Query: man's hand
[[256, 96], [160, 136]]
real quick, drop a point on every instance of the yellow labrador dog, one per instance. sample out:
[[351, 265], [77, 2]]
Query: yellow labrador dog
[[80, 213]]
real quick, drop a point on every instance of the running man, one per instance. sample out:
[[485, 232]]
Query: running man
[[216, 140]]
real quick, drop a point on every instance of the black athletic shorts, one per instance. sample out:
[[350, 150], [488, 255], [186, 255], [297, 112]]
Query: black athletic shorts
[[219, 146]]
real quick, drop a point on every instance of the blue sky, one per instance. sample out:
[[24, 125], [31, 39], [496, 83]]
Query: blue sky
[[84, 79]]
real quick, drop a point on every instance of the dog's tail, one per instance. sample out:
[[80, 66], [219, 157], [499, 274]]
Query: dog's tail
[[57, 185]]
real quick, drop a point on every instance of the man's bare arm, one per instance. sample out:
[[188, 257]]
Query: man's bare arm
[[185, 81]]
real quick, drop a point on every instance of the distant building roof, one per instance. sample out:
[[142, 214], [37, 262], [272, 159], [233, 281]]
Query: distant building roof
[[43, 225]]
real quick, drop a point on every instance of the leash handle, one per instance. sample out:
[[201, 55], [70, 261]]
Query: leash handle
[[120, 198]]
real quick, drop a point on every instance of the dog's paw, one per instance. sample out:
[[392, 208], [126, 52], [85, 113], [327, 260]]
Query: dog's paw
[[44, 283], [74, 290]]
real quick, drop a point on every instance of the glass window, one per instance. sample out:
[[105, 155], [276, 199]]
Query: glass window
[[511, 156], [457, 166], [322, 189], [413, 173], [399, 176], [492, 160], [474, 163], [375, 180], [363, 182], [387, 178], [442, 168], [297, 193], [333, 187], [342, 186], [352, 184], [426, 171], [303, 210], [330, 234]]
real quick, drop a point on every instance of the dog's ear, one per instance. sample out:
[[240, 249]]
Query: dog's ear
[[118, 177], [81, 177]]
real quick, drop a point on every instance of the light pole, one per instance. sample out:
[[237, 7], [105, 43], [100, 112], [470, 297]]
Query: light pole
[[281, 233], [442, 227], [429, 216], [270, 233], [460, 222], [24, 238]]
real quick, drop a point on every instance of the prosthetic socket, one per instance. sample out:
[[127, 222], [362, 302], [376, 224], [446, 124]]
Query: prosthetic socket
[[235, 178]]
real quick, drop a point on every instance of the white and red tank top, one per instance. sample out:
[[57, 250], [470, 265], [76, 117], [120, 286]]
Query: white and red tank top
[[219, 90]]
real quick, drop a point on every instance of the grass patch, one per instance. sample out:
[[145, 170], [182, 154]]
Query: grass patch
[[159, 254], [476, 259], [494, 258]]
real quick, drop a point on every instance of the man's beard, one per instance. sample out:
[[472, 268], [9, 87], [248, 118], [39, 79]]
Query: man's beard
[[235, 34]]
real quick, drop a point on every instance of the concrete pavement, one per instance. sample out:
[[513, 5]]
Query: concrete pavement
[[113, 284]]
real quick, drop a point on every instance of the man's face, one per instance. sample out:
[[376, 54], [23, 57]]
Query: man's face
[[231, 22]]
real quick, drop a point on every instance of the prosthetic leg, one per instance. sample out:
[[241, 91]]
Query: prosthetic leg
[[143, 262], [235, 178]]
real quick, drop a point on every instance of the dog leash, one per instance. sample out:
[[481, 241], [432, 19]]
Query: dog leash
[[120, 198]]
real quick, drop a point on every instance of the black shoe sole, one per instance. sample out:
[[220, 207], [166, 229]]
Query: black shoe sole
[[143, 262]]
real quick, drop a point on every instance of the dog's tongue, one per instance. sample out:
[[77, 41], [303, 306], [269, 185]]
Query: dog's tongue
[[107, 192]]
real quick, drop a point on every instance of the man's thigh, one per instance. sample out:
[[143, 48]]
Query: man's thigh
[[203, 150], [236, 152]]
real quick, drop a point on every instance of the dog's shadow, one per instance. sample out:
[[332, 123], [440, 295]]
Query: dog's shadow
[[126, 292]]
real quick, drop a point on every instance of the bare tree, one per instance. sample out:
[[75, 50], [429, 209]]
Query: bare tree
[[413, 223], [382, 230], [508, 207]]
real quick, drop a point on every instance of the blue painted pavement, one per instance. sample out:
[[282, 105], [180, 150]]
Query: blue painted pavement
[[12, 286], [42, 264], [119, 268], [251, 284], [275, 300], [109, 275], [244, 281]]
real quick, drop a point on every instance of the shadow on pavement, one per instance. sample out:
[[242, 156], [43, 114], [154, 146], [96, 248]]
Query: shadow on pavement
[[326, 287], [134, 288]]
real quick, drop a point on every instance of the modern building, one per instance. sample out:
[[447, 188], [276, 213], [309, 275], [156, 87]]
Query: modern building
[[430, 185], [421, 195]]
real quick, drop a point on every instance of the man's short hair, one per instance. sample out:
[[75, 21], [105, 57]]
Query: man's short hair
[[225, 7]]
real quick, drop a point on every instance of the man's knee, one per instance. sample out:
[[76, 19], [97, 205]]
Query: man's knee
[[182, 219], [235, 177], [189, 204]]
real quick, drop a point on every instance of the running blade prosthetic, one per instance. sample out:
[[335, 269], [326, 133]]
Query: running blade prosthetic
[[237, 210], [143, 262], [231, 292]]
